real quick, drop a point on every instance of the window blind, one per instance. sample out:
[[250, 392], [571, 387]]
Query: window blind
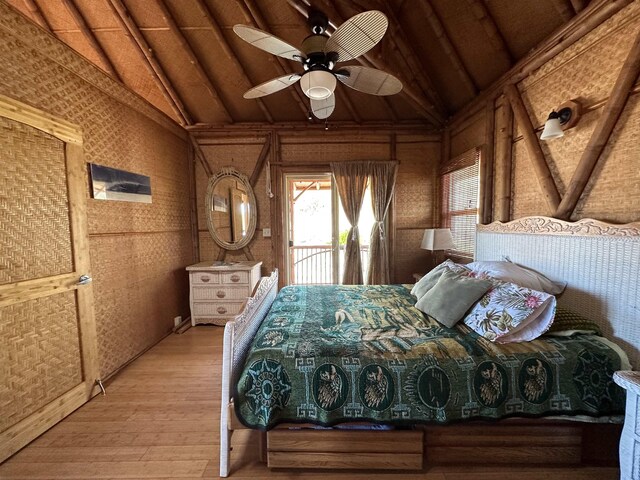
[[460, 185]]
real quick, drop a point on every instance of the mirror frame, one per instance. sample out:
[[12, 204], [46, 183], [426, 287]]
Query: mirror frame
[[230, 172]]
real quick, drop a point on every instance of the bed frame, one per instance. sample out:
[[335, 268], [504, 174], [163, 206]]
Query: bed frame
[[600, 262]]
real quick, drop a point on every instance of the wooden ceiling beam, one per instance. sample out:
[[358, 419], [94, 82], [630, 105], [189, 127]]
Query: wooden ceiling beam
[[91, 38], [418, 68], [193, 59], [252, 13], [148, 59], [228, 50], [448, 47], [483, 15], [424, 107], [564, 9], [36, 14], [579, 5]]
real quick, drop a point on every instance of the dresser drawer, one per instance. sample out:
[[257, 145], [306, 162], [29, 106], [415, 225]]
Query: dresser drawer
[[204, 278], [235, 278], [221, 309], [219, 292]]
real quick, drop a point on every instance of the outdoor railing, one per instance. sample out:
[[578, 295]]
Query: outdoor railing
[[313, 264]]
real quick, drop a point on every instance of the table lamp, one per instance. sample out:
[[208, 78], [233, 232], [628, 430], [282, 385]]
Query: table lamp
[[437, 240]]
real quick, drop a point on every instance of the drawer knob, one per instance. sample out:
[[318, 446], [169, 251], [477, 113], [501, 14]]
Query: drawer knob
[[221, 294], [235, 278], [222, 310], [205, 279]]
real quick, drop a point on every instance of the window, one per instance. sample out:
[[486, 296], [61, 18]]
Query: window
[[459, 187]]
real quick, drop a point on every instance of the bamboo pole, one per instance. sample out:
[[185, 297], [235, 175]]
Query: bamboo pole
[[448, 47], [148, 59], [482, 14], [505, 139], [214, 25], [564, 9], [579, 5], [200, 156], [262, 159], [91, 38], [193, 59], [591, 17], [37, 15], [487, 162], [602, 132], [536, 156], [193, 204], [253, 14]]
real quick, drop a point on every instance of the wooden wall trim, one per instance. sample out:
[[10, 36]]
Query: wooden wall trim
[[45, 43], [20, 112]]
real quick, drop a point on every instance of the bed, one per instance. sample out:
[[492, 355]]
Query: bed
[[373, 358]]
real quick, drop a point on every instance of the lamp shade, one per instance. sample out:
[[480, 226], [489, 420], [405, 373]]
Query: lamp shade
[[552, 128], [437, 239], [318, 84]]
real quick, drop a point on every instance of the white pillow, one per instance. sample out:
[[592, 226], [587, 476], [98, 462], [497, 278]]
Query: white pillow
[[514, 273]]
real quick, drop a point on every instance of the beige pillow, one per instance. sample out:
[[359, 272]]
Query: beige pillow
[[427, 282], [451, 297]]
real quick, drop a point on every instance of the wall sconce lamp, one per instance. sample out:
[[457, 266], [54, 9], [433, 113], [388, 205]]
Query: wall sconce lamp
[[564, 118]]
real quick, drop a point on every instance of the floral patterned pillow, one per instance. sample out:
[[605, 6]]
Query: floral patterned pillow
[[511, 313]]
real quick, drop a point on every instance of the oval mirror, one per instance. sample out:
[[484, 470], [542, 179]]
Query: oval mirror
[[231, 209]]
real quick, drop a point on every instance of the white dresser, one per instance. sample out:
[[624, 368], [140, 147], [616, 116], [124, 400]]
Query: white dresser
[[218, 290]]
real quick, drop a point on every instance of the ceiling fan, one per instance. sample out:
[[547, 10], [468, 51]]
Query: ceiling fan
[[319, 56]]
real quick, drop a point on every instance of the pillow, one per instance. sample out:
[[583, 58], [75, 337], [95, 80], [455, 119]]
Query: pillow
[[451, 297], [567, 321], [512, 272], [512, 313], [430, 279]]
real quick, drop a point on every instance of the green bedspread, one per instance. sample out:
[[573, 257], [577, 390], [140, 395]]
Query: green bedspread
[[331, 354]]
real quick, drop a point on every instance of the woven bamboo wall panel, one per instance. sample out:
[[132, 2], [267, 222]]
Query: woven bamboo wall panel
[[137, 291], [39, 354], [41, 71], [35, 237], [415, 187], [470, 136], [409, 257]]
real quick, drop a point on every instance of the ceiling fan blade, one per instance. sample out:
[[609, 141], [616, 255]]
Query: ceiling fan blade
[[267, 42], [323, 108], [272, 86], [370, 80], [357, 35]]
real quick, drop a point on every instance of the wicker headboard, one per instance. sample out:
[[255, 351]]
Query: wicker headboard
[[600, 262]]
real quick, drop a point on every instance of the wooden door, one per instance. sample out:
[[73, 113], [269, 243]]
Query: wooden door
[[48, 363]]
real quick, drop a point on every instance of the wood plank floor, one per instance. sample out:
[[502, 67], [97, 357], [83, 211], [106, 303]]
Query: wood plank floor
[[160, 419]]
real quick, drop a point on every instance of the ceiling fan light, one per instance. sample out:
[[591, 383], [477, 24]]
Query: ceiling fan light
[[318, 84]]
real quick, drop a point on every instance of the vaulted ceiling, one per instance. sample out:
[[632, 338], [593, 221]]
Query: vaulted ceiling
[[184, 58]]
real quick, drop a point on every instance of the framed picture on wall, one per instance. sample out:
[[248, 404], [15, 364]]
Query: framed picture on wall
[[112, 184], [220, 204]]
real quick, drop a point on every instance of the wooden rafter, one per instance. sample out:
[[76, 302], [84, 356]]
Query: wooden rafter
[[228, 50], [482, 14], [564, 9], [253, 14], [262, 160], [91, 38], [148, 59], [418, 68], [197, 150], [600, 136], [448, 47], [36, 14], [193, 59], [424, 106], [536, 155], [579, 5]]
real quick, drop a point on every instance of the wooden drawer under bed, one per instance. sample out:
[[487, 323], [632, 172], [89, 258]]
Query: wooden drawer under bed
[[345, 449]]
